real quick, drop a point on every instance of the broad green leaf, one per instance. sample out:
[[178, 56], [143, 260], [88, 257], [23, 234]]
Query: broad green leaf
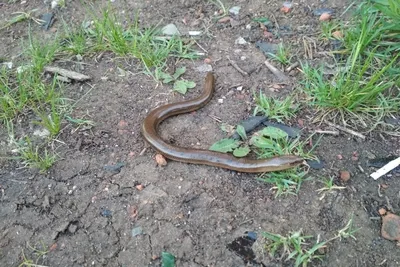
[[241, 131], [165, 76], [179, 72], [167, 259], [225, 145], [189, 84], [180, 87], [262, 142], [168, 79], [274, 132], [241, 151]]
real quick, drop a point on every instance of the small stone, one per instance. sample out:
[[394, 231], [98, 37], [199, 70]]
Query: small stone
[[382, 211], [170, 29], [139, 187], [325, 17], [204, 68], [220, 100], [72, 228], [339, 157], [391, 227], [240, 41], [234, 10], [137, 231], [161, 161], [344, 176]]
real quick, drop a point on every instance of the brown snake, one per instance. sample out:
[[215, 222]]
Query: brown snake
[[201, 156]]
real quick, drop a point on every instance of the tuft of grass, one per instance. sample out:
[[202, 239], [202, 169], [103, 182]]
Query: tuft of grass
[[293, 247], [329, 186], [367, 87], [275, 109], [282, 55], [38, 253], [107, 33], [34, 157], [359, 93], [285, 182]]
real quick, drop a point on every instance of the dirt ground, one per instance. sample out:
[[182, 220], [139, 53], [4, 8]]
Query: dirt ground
[[85, 214]]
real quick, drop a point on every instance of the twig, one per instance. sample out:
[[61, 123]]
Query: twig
[[385, 169], [200, 46], [215, 118], [379, 191], [344, 129], [294, 65], [142, 152], [327, 132], [389, 206], [279, 74], [67, 73], [237, 67]]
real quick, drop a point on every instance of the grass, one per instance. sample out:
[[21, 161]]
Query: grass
[[275, 109], [282, 55], [285, 182], [367, 88], [329, 186], [295, 247], [35, 157], [107, 33], [25, 91], [359, 94], [38, 253]]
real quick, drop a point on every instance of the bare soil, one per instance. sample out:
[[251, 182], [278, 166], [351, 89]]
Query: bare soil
[[85, 215]]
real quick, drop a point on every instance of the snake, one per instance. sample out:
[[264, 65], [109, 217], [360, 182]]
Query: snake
[[202, 156]]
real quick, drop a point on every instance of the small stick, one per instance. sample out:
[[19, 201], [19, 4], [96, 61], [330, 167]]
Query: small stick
[[205, 51], [385, 169], [142, 152], [67, 73], [279, 74], [389, 206], [344, 129], [327, 132], [294, 65], [237, 67], [215, 118]]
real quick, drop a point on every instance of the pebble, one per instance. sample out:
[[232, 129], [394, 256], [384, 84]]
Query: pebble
[[170, 29], [161, 161], [72, 228], [325, 17], [204, 68], [240, 41], [344, 176], [391, 227], [137, 231]]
